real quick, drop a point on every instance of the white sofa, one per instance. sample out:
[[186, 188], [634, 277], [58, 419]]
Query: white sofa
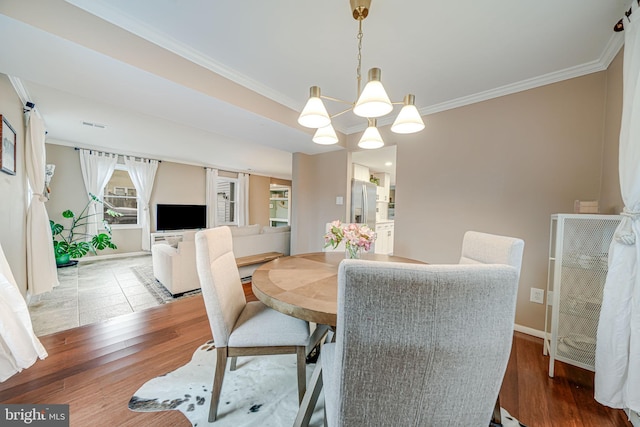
[[175, 265]]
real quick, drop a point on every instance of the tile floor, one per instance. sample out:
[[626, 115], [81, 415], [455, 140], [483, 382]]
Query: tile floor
[[90, 292]]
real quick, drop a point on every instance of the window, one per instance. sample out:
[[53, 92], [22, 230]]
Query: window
[[226, 213], [121, 196]]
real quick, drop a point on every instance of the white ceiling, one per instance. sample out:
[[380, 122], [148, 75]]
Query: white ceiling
[[446, 53]]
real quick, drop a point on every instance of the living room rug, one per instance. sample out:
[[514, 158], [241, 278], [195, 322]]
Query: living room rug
[[144, 273], [263, 391]]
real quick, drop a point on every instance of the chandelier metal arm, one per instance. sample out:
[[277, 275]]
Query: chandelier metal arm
[[330, 98], [340, 113]]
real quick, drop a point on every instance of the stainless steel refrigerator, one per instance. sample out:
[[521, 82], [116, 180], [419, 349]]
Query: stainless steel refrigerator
[[363, 203]]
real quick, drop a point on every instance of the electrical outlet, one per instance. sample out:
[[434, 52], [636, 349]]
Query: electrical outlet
[[537, 295]]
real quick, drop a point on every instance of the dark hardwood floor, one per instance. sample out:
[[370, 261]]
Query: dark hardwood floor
[[97, 368]]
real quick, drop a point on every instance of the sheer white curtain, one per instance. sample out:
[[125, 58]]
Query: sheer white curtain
[[41, 265], [211, 189], [97, 169], [19, 345], [143, 173], [243, 199], [617, 379]]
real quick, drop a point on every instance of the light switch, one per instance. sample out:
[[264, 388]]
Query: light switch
[[339, 200]]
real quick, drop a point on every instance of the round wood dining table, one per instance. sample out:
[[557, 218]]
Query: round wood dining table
[[306, 285]]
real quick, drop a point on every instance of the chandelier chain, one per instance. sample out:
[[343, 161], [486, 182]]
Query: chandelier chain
[[359, 69]]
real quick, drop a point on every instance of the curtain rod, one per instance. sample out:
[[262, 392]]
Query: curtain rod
[[620, 24], [28, 107], [224, 170], [117, 154]]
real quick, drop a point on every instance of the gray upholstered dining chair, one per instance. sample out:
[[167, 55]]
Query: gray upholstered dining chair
[[241, 328], [416, 345], [485, 248]]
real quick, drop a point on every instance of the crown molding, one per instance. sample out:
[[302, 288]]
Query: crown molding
[[21, 91], [610, 51], [23, 94], [532, 83], [615, 43]]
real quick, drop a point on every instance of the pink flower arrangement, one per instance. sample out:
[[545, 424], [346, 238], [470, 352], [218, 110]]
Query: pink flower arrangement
[[355, 236]]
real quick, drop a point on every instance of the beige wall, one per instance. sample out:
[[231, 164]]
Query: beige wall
[[317, 181], [13, 191], [501, 166], [610, 197], [179, 184], [67, 188], [259, 199]]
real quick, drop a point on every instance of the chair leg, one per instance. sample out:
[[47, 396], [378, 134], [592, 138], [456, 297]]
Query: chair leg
[[326, 424], [301, 354], [496, 418], [234, 360], [221, 365]]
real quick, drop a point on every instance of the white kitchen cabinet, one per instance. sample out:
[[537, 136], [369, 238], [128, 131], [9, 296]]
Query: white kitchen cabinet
[[384, 239], [382, 192], [360, 172], [578, 256]]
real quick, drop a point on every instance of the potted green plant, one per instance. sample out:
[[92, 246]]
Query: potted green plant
[[75, 242]]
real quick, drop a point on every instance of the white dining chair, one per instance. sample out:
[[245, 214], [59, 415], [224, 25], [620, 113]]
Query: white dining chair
[[485, 248], [416, 345], [241, 328]]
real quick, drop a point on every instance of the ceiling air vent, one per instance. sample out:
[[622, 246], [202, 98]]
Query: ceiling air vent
[[94, 125]]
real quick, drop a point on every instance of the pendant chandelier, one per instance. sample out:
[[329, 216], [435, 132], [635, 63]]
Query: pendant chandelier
[[371, 103]]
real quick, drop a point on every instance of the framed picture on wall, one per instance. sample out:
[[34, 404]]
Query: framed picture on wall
[[7, 148]]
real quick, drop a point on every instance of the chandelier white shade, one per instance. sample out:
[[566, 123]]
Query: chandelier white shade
[[325, 136], [371, 102], [314, 114], [371, 138], [408, 120]]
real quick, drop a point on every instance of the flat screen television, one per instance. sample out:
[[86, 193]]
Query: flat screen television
[[180, 217]]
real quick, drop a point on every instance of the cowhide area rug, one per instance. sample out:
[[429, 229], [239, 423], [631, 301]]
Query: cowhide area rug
[[261, 392]]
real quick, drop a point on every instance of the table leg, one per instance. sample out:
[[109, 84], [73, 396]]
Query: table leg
[[317, 335]]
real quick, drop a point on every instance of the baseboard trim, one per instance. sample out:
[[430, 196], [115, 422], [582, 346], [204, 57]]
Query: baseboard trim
[[529, 331], [113, 256]]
